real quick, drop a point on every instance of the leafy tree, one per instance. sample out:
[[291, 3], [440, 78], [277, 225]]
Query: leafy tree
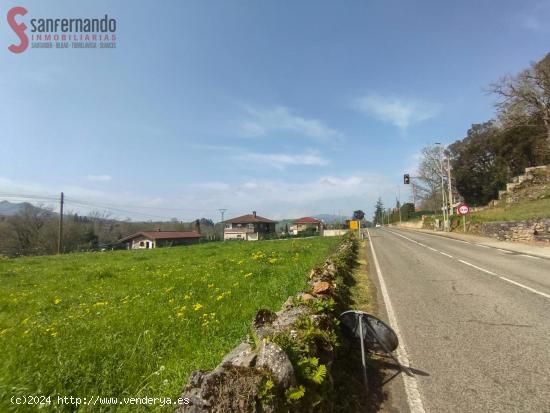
[[378, 212], [477, 171]]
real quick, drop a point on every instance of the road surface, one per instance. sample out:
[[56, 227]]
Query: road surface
[[475, 319]]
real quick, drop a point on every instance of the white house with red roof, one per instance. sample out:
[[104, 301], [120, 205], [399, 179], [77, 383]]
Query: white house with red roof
[[250, 227], [304, 224], [156, 239]]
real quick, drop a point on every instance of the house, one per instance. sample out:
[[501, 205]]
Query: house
[[306, 224], [158, 238], [251, 227]]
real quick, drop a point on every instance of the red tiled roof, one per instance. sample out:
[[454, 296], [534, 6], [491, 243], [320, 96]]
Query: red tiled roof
[[249, 219], [163, 235], [307, 220]]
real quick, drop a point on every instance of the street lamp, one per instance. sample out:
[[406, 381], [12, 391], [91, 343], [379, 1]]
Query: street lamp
[[443, 201]]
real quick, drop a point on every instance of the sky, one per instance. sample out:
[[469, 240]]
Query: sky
[[281, 107]]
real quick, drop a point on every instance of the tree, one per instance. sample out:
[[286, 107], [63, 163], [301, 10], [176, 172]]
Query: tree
[[379, 212], [407, 210], [477, 171], [27, 226], [431, 174], [525, 96]]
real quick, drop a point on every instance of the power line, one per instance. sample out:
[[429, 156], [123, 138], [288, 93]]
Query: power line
[[91, 204]]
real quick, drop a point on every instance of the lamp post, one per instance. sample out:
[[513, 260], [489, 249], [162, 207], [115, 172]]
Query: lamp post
[[444, 204]]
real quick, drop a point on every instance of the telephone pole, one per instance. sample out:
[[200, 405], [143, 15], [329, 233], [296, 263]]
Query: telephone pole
[[222, 212], [60, 236]]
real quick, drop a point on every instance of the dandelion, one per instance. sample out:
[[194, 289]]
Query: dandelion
[[197, 307], [56, 300]]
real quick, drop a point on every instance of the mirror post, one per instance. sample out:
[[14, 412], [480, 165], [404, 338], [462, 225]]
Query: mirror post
[[363, 361]]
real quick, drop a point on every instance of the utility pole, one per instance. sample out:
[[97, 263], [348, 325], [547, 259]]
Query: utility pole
[[222, 212], [449, 185], [444, 205], [60, 236], [414, 197], [399, 199]]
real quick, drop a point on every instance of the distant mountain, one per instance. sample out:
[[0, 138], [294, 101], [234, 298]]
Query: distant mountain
[[8, 209], [329, 218]]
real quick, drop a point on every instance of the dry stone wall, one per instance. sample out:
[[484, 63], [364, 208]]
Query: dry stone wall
[[259, 375], [528, 230]]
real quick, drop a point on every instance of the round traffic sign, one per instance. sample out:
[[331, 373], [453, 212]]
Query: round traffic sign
[[463, 209]]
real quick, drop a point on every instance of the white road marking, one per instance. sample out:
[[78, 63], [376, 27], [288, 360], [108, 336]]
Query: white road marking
[[482, 246], [411, 385], [506, 251], [524, 286], [530, 256], [479, 268]]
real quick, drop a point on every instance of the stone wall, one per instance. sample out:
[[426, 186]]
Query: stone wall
[[528, 230], [533, 184], [285, 363], [409, 224]]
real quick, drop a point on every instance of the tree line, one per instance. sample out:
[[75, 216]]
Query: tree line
[[494, 151], [34, 230]]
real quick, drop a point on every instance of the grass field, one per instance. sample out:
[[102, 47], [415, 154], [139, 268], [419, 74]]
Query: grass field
[[136, 323], [539, 208]]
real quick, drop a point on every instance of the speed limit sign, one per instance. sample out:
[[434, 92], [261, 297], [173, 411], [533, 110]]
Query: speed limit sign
[[463, 209]]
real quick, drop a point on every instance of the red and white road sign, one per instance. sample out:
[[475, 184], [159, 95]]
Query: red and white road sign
[[463, 209]]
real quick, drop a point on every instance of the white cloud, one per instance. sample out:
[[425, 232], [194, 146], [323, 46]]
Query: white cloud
[[282, 160], [274, 198], [401, 112], [99, 178], [264, 121]]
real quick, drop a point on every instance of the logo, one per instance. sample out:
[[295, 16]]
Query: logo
[[62, 33], [19, 29]]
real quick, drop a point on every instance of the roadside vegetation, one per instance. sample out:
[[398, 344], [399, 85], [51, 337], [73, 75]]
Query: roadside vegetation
[[136, 323]]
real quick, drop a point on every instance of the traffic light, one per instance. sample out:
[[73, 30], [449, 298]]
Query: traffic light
[[406, 179]]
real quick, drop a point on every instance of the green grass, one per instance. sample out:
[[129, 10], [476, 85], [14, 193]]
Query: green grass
[[137, 323], [539, 208]]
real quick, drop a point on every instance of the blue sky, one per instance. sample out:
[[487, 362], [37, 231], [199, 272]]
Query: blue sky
[[283, 107]]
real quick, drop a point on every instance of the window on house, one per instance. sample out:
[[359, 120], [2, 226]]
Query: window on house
[[228, 226], [141, 243]]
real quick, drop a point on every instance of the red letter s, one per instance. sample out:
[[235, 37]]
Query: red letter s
[[19, 29]]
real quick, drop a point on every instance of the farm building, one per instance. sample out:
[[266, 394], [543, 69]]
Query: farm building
[[251, 227], [157, 239], [306, 224]]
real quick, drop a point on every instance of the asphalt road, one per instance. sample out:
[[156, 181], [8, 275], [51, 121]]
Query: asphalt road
[[475, 319]]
